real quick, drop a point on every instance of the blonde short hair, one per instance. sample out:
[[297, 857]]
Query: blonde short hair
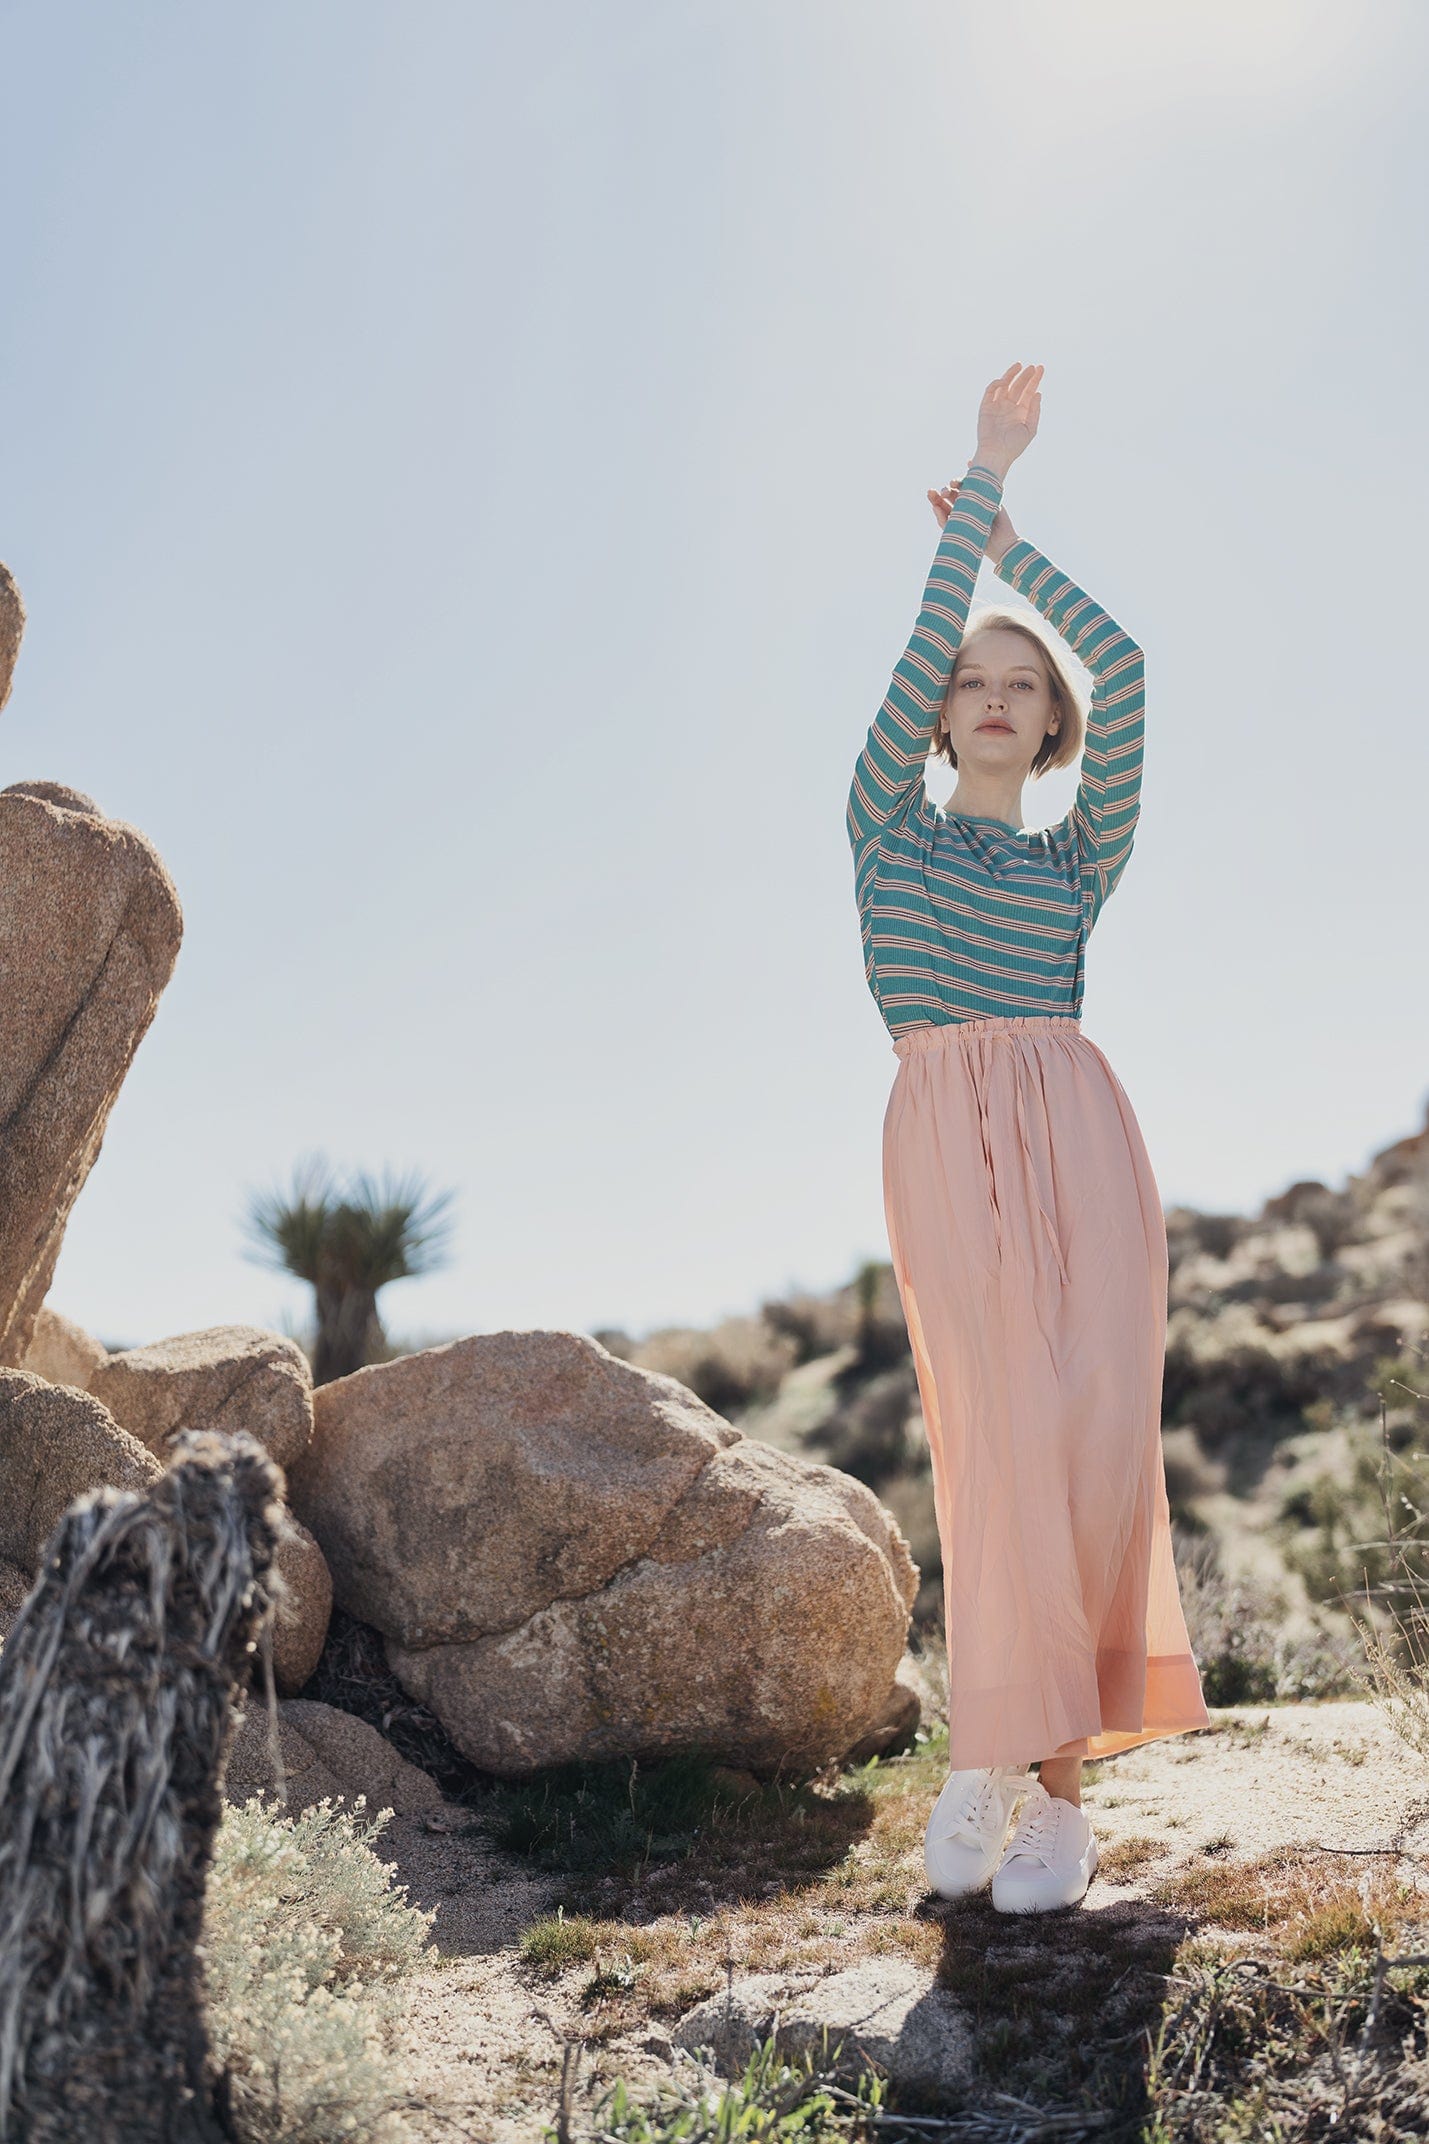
[[1054, 751]]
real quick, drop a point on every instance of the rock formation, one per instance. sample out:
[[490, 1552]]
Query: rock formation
[[888, 2011], [227, 1377], [56, 1443], [324, 1753], [569, 1556], [89, 932], [62, 1352]]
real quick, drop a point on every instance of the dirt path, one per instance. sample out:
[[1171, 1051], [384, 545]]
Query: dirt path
[[487, 2033]]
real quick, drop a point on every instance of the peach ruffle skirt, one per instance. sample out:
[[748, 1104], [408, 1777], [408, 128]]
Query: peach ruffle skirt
[[1029, 1247]]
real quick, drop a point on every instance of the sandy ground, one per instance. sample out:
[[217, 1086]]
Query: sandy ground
[[486, 2037]]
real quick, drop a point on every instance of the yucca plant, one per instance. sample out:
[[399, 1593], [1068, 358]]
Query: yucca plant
[[348, 1242]]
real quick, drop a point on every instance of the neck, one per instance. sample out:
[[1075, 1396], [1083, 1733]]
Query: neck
[[983, 802]]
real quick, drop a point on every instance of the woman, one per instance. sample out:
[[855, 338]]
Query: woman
[[1024, 1221]]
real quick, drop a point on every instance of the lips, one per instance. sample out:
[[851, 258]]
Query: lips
[[995, 725]]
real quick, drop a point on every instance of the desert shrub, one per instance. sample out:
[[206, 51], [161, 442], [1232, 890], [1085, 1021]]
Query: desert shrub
[[1333, 1216], [880, 1328], [1357, 1538], [1397, 1645], [739, 1362], [817, 1324], [1238, 1635], [876, 1432], [1246, 1392], [866, 1314], [1189, 1232], [305, 1937]]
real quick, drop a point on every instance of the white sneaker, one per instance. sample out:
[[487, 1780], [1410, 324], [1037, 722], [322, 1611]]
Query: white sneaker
[[1050, 1858], [968, 1826]]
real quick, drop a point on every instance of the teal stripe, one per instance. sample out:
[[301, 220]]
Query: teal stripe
[[963, 917]]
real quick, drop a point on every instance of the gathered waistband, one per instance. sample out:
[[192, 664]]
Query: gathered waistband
[[937, 1035]]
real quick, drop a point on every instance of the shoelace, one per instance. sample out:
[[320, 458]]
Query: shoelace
[[975, 1812], [1037, 1831]]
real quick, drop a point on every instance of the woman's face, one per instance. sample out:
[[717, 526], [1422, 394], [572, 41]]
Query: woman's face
[[999, 705]]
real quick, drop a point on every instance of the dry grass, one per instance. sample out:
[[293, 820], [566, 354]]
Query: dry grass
[[1307, 1901], [1126, 1858]]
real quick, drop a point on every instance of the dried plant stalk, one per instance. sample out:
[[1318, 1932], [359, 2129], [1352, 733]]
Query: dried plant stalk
[[116, 1708]]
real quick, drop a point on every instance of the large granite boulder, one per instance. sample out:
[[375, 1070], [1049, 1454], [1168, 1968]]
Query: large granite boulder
[[89, 932], [226, 1377], [56, 1443], [569, 1556]]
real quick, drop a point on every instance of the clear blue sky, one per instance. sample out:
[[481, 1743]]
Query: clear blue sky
[[466, 470]]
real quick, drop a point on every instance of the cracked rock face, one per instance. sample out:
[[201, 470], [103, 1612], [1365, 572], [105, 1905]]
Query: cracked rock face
[[569, 1556], [89, 932]]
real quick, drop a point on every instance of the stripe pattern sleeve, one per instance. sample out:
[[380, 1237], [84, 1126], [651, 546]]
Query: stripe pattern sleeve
[[890, 766], [1108, 800]]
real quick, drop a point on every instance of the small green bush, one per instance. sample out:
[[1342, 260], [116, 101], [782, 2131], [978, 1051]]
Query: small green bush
[[777, 2100], [555, 1942], [305, 1937]]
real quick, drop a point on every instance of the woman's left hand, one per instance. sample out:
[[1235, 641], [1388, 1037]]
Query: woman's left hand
[[1003, 535]]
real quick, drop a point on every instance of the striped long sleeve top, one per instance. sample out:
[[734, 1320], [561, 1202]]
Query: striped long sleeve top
[[963, 915]]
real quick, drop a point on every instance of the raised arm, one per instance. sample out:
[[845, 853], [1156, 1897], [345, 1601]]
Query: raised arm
[[888, 769], [1108, 800]]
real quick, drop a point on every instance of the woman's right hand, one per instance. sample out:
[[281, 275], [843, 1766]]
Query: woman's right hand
[[1007, 416]]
